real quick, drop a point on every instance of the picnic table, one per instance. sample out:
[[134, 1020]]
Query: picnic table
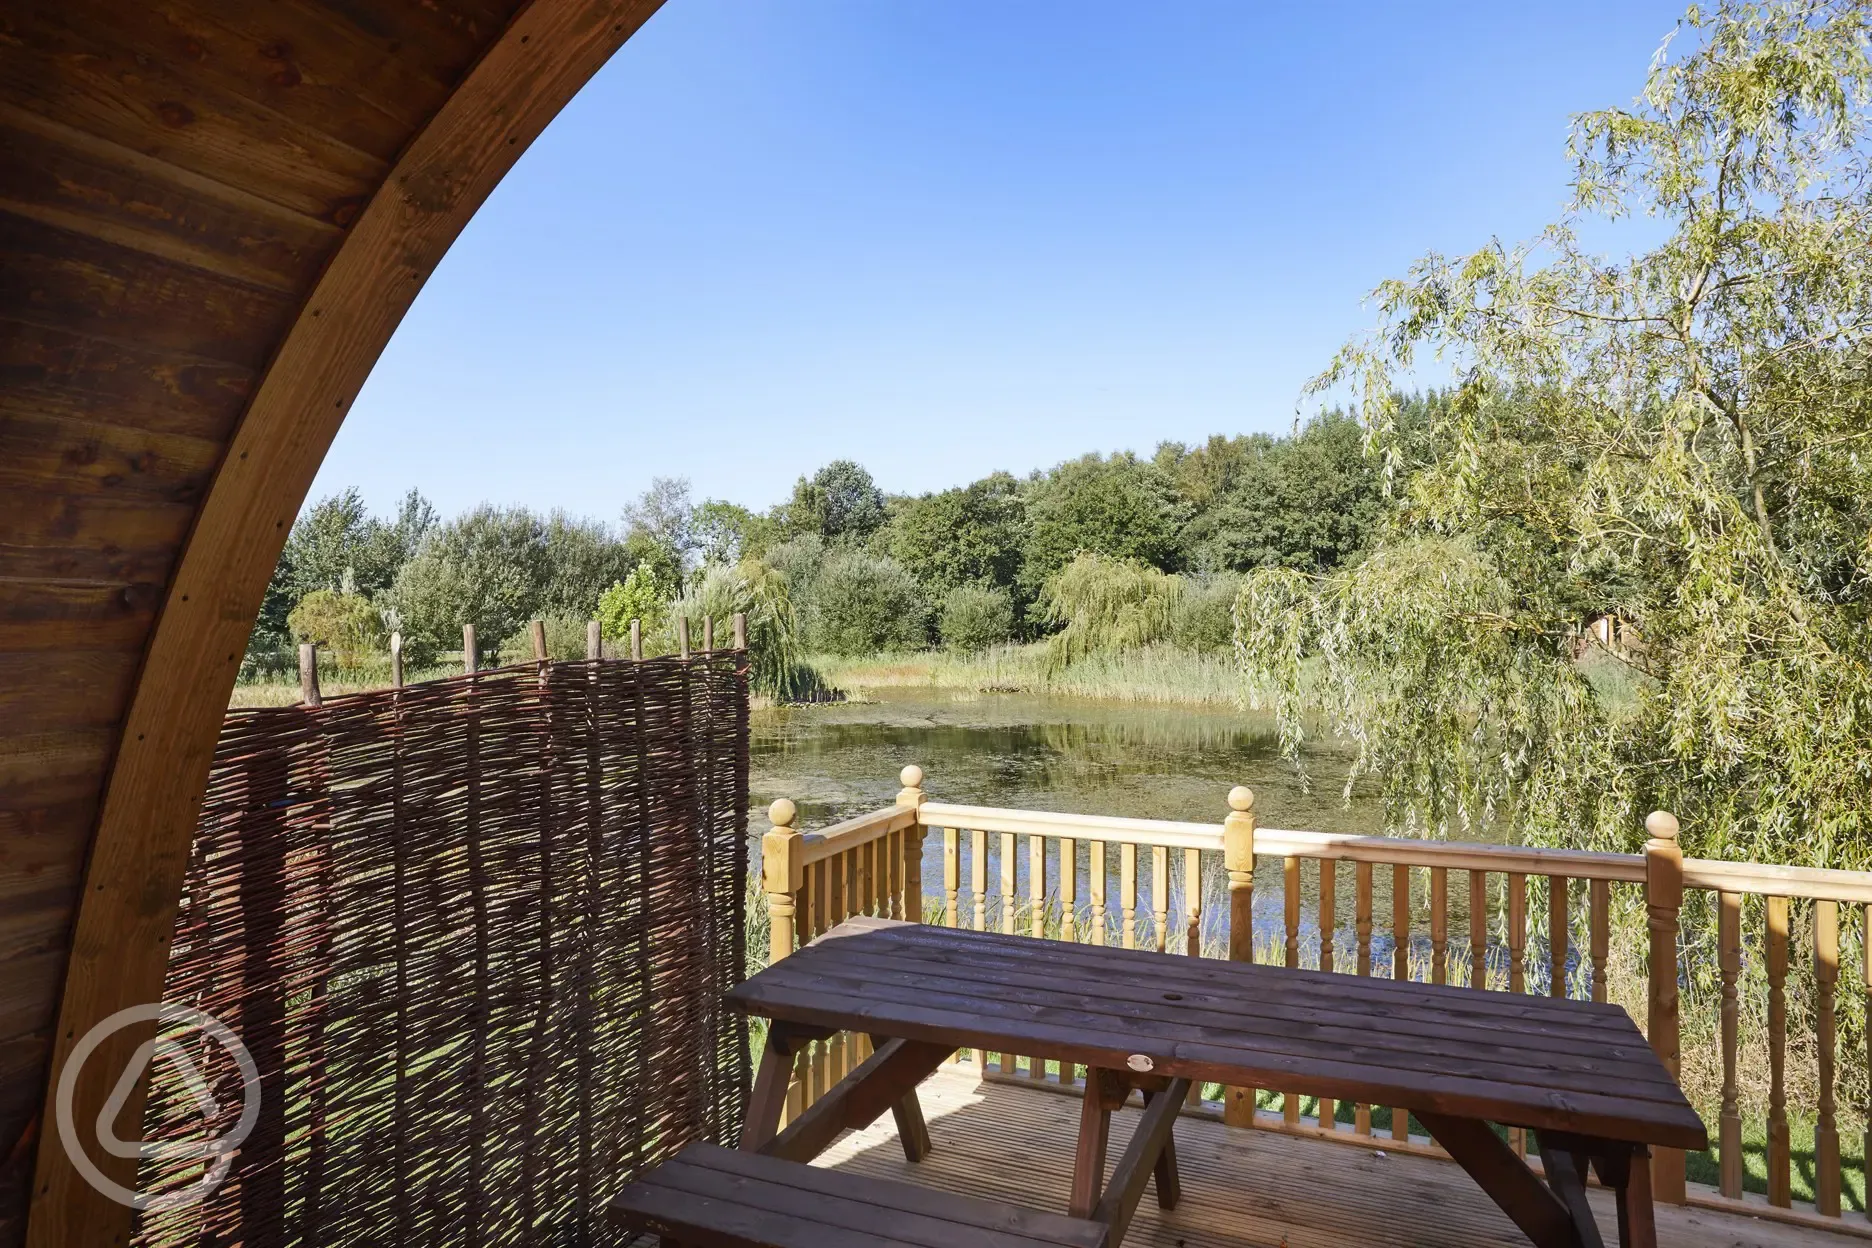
[[1578, 1074]]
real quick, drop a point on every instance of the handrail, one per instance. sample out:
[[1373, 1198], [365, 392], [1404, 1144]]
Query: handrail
[[1763, 879], [855, 831]]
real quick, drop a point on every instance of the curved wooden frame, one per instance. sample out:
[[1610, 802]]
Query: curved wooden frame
[[133, 881]]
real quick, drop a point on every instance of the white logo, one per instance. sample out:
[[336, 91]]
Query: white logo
[[216, 1153]]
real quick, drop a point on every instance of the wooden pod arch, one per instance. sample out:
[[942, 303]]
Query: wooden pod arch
[[213, 215]]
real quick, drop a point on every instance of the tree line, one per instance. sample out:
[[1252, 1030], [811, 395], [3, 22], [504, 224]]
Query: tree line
[[840, 566]]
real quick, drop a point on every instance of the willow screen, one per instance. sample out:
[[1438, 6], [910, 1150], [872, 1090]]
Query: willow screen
[[474, 934]]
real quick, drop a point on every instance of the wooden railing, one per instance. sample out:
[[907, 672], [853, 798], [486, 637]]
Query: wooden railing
[[1748, 946]]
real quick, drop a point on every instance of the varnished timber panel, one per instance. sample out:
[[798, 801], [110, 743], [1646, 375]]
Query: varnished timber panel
[[213, 213]]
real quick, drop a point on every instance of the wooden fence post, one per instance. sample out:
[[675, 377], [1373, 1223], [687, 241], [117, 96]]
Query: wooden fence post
[[783, 870], [911, 795], [1663, 899], [594, 640], [308, 674], [682, 635], [740, 630], [471, 661], [1238, 856], [396, 660], [636, 639]]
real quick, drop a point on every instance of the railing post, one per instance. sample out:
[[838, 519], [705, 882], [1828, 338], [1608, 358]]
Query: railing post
[[1238, 856], [1663, 899], [911, 795], [783, 870]]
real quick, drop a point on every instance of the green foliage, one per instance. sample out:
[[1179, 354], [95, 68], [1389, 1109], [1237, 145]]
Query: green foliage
[[333, 538], [725, 532], [1677, 437], [974, 617], [754, 589], [642, 595], [661, 526], [1104, 606], [1119, 507], [840, 501], [565, 641], [1312, 501], [863, 603], [580, 558], [1203, 619], [346, 624], [968, 536], [488, 568]]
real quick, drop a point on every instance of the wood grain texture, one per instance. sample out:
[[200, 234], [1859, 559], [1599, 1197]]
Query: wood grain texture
[[1247, 1189], [167, 322]]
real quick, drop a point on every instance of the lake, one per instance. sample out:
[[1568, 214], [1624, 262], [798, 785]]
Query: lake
[[1081, 756]]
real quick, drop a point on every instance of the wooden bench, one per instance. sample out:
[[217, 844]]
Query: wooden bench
[[712, 1197]]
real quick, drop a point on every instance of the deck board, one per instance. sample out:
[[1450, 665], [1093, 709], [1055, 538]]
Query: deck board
[[1241, 1189]]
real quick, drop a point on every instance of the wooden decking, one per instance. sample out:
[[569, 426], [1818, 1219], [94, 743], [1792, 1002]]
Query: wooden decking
[[1241, 1189]]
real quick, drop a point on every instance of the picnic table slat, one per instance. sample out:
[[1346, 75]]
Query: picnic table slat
[[960, 971], [1041, 998]]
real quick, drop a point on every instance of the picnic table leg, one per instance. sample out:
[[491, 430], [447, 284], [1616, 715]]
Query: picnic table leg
[[1627, 1171], [768, 1101], [1497, 1170], [1094, 1132], [1169, 1182], [912, 1131]]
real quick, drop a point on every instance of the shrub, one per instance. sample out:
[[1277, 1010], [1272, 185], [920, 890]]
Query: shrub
[[565, 641], [864, 603], [1203, 619], [642, 595], [975, 617], [345, 624]]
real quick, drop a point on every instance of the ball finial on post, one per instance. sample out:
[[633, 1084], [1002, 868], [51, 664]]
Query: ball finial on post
[[1241, 798], [1662, 825], [911, 776], [783, 871]]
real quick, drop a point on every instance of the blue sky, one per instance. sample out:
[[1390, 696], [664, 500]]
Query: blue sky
[[943, 237]]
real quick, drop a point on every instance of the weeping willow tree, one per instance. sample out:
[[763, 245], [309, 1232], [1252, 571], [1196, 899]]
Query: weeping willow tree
[[1103, 605], [718, 592], [1677, 438]]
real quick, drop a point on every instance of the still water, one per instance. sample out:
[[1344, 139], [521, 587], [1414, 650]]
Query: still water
[[1064, 754]]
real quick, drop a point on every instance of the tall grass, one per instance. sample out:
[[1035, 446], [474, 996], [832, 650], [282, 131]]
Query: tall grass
[[1156, 673]]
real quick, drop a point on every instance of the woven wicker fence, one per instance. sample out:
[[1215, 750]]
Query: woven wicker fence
[[474, 933]]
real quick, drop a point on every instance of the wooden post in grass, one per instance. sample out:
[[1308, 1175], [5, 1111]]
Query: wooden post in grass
[[1238, 856], [308, 674], [396, 660], [1663, 899], [636, 639], [471, 661], [740, 630], [594, 640]]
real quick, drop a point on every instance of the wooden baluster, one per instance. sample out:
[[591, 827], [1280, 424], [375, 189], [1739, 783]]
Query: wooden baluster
[[1729, 958], [1192, 929], [1517, 968], [1478, 930], [1329, 927], [1362, 920], [1160, 895], [1192, 902], [952, 876], [1439, 925], [1036, 898], [1826, 1133], [1400, 965], [1599, 906], [1127, 892], [1238, 858], [820, 885], [978, 884], [1069, 889], [890, 882], [1290, 920], [861, 877], [1010, 864], [1558, 943], [838, 909], [1036, 885], [1290, 908], [1095, 879], [1663, 899], [1780, 1187]]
